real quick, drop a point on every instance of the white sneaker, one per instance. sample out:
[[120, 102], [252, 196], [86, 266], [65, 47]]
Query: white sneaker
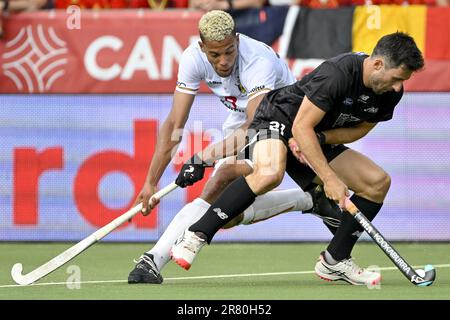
[[346, 270], [185, 248]]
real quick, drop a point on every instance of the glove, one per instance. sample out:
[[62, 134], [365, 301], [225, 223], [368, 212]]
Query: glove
[[191, 172]]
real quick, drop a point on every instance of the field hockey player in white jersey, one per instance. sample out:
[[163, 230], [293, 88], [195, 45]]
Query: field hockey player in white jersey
[[240, 71]]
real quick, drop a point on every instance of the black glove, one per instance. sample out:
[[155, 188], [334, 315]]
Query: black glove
[[191, 172]]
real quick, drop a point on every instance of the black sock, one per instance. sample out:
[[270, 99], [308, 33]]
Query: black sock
[[232, 201], [331, 228], [344, 240]]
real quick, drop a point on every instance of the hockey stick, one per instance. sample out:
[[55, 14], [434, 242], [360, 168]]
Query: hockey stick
[[420, 277], [72, 252]]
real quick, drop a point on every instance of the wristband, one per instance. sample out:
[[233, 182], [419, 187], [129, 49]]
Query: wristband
[[321, 137]]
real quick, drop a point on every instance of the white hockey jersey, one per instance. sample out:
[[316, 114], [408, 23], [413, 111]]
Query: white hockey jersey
[[258, 69]]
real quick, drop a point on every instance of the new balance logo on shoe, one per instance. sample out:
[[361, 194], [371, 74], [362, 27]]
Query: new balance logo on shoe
[[357, 234], [222, 215]]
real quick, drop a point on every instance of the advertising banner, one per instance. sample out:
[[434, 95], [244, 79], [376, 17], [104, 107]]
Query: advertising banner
[[138, 51], [71, 163]]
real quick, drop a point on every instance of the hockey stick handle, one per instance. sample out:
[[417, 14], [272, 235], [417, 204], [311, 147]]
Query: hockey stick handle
[[72, 252], [101, 233]]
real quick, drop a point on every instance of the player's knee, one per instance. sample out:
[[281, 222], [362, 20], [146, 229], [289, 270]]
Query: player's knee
[[380, 184], [384, 182], [234, 222], [266, 182], [222, 178], [224, 175]]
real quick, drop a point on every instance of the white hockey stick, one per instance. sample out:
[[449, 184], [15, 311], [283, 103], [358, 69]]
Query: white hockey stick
[[72, 252]]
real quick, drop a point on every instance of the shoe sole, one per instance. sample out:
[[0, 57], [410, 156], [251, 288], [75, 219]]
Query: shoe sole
[[180, 261], [144, 282], [141, 279], [373, 283]]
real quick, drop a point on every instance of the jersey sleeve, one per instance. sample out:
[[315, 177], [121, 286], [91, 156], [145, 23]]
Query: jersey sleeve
[[326, 86], [258, 78], [189, 72]]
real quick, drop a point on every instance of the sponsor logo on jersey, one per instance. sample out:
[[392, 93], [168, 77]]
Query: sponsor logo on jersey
[[371, 110], [363, 98], [348, 101], [344, 118], [231, 103], [257, 88], [214, 83]]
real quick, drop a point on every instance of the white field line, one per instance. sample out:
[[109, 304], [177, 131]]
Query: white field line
[[220, 276]]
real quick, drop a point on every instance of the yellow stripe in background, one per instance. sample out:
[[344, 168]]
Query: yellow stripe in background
[[370, 23]]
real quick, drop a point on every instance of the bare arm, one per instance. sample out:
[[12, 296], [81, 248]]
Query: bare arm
[[244, 4], [176, 120], [308, 116], [335, 136], [165, 144], [235, 141], [208, 5], [26, 5], [348, 135]]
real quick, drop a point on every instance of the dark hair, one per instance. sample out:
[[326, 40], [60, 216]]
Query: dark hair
[[399, 49]]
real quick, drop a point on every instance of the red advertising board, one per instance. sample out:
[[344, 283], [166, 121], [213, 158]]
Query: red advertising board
[[127, 51], [107, 52]]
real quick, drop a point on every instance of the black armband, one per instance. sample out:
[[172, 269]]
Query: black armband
[[321, 137]]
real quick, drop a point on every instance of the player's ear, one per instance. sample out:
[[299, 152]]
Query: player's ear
[[378, 63], [202, 46]]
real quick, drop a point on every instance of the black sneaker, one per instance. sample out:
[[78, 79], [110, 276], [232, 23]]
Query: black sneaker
[[324, 208], [145, 271]]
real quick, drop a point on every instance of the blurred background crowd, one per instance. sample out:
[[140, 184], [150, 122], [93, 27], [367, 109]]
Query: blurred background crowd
[[205, 5]]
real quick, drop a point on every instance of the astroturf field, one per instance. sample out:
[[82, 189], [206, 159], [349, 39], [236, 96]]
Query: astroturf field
[[255, 271]]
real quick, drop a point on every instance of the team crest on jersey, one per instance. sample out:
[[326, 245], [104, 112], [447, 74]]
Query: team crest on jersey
[[241, 88]]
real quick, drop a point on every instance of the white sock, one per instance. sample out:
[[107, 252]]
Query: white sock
[[187, 216], [329, 258], [275, 202]]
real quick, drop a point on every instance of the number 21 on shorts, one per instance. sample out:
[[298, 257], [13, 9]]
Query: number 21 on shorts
[[276, 126]]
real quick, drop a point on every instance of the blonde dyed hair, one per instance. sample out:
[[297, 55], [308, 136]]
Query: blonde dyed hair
[[216, 25]]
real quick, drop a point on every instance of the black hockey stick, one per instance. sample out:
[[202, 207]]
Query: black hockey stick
[[420, 277]]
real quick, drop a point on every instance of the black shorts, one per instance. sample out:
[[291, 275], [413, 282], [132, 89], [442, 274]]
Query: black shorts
[[270, 123]]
